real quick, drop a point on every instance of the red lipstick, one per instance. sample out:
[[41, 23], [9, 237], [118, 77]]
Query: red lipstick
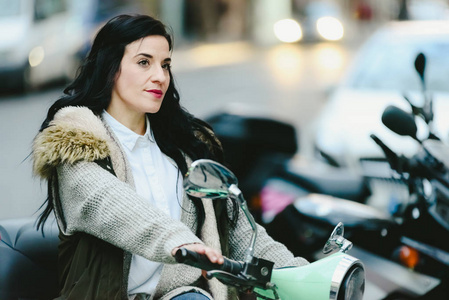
[[155, 92]]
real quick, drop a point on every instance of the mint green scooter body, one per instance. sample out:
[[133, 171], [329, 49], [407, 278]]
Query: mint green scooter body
[[314, 281], [320, 280]]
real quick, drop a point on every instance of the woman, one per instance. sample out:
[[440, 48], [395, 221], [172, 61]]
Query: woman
[[113, 150]]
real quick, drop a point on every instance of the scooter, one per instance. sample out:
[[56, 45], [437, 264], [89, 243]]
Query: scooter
[[28, 259], [338, 276]]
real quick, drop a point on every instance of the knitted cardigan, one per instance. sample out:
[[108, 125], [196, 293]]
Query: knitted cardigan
[[94, 201]]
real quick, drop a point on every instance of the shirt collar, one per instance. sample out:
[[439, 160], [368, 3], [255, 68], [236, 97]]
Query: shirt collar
[[125, 135]]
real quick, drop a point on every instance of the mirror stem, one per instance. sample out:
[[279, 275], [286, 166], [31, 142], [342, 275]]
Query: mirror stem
[[237, 194]]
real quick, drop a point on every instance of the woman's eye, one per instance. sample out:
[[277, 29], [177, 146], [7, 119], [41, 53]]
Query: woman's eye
[[166, 66], [144, 62]]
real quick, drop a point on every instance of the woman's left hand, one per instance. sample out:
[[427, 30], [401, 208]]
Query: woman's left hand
[[212, 254]]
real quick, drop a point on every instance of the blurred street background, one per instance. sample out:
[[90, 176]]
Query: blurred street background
[[229, 54]]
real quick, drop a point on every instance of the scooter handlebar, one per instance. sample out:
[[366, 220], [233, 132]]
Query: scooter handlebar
[[201, 261]]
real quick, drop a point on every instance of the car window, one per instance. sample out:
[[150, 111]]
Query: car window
[[9, 8], [390, 65]]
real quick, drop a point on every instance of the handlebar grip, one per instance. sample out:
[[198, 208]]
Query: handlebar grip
[[201, 261]]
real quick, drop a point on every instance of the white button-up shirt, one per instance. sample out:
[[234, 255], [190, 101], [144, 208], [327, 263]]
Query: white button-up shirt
[[158, 180]]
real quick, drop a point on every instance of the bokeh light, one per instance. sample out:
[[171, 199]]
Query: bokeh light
[[288, 31]]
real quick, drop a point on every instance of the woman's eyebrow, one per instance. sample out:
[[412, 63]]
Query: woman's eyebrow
[[168, 59], [144, 54]]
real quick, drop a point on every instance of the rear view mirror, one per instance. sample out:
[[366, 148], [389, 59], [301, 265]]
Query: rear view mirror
[[399, 121]]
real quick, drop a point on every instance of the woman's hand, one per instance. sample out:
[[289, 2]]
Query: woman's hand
[[211, 253]]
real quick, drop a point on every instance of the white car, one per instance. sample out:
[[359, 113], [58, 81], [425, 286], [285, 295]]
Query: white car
[[39, 40], [428, 10], [381, 74]]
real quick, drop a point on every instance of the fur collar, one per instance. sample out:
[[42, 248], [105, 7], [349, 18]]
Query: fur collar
[[74, 134]]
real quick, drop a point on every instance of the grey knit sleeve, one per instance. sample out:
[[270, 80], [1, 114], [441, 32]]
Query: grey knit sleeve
[[96, 202], [266, 247]]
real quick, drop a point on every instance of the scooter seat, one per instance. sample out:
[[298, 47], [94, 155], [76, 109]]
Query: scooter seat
[[28, 259]]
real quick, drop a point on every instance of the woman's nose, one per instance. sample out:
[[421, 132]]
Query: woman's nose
[[159, 74]]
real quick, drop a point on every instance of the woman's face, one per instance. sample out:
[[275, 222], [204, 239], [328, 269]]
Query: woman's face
[[143, 78]]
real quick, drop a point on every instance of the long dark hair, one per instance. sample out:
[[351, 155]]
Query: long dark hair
[[176, 131]]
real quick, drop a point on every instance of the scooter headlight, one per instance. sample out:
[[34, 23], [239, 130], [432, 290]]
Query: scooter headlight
[[348, 281], [353, 284]]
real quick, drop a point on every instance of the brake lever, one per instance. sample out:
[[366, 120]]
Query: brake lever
[[239, 281], [242, 283], [256, 273], [392, 157]]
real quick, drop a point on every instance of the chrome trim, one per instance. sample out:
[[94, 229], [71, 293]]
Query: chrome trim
[[346, 262]]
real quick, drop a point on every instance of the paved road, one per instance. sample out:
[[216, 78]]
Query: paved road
[[20, 118], [287, 82]]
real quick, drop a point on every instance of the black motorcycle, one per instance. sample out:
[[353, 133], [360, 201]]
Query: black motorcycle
[[404, 249]]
